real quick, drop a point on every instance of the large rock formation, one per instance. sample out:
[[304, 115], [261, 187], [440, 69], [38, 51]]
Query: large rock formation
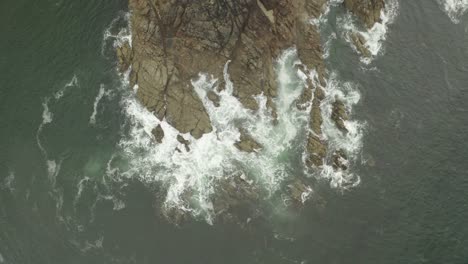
[[175, 40]]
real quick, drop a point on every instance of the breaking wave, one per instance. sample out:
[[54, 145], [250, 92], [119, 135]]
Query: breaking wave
[[455, 9]]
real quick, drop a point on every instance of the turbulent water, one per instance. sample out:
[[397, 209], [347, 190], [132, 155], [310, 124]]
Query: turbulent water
[[83, 181]]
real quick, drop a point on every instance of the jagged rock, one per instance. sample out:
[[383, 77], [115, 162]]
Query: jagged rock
[[367, 10], [124, 56], [213, 98], [339, 115], [158, 133], [184, 142], [246, 143], [340, 160], [360, 44], [317, 151]]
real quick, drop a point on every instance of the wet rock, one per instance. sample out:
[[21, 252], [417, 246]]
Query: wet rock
[[367, 10], [213, 97], [299, 191], [339, 115], [246, 143], [360, 44], [317, 151], [124, 56], [316, 119], [237, 199], [305, 98], [184, 142], [340, 160], [158, 133]]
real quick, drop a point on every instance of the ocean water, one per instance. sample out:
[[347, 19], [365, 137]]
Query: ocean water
[[81, 180]]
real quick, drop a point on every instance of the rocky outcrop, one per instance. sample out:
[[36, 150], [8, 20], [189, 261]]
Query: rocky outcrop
[[367, 10], [184, 142], [339, 115], [158, 133]]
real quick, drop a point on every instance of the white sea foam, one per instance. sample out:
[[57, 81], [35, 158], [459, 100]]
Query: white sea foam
[[102, 92], [455, 9], [375, 36]]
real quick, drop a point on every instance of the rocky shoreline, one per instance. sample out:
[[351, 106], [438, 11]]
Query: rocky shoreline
[[173, 41]]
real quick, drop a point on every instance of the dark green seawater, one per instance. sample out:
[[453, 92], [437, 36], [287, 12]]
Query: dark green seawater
[[410, 207]]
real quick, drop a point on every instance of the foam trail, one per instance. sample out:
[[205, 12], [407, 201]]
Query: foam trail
[[80, 186], [73, 82], [455, 9], [102, 92]]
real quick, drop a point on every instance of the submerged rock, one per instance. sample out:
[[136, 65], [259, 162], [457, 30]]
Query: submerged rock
[[213, 98], [340, 160], [317, 151], [367, 10], [360, 44], [299, 191], [246, 143]]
